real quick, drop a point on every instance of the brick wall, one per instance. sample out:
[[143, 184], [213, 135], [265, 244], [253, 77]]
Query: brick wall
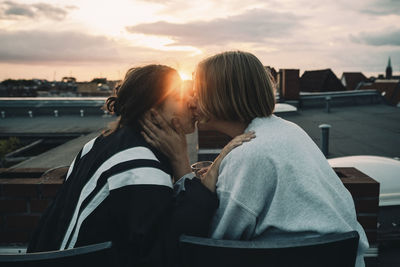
[[24, 195], [24, 199], [289, 84], [212, 139], [208, 138], [365, 193]]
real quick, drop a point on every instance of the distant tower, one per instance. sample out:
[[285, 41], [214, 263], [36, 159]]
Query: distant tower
[[389, 70]]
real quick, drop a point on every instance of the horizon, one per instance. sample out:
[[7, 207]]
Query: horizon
[[86, 39], [184, 76]]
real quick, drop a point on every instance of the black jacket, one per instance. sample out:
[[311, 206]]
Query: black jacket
[[119, 189]]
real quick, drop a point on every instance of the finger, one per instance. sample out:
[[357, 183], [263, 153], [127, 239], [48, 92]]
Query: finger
[[148, 139], [150, 133], [247, 139], [177, 126], [147, 115], [148, 119], [246, 136], [203, 171], [249, 134], [151, 126], [162, 122]]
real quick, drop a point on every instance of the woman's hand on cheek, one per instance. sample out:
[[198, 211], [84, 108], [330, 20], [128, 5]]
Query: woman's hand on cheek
[[169, 138]]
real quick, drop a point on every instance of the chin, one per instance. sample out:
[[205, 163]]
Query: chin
[[189, 128]]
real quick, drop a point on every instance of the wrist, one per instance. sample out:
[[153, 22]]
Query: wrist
[[180, 167]]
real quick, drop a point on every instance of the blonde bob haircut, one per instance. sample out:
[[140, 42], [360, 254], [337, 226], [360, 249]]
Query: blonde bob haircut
[[234, 86]]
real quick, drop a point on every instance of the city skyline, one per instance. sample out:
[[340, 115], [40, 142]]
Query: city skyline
[[87, 39]]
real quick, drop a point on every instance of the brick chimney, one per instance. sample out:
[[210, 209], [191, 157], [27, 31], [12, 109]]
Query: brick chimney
[[289, 84]]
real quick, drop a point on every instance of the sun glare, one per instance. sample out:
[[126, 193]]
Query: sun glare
[[184, 76]]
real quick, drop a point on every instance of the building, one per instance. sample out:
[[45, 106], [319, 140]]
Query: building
[[353, 80], [389, 89], [389, 70], [320, 81], [96, 87]]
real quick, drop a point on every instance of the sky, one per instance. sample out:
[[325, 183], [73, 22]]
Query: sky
[[87, 39]]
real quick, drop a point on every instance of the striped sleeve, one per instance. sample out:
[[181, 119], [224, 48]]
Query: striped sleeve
[[133, 166]]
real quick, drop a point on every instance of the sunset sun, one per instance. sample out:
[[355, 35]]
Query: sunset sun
[[184, 76]]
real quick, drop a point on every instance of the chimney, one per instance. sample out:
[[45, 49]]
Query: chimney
[[289, 84], [325, 138]]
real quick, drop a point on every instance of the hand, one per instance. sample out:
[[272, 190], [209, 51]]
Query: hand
[[202, 171], [169, 139], [235, 142], [210, 177]]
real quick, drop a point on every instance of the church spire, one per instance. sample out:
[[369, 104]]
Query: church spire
[[389, 70]]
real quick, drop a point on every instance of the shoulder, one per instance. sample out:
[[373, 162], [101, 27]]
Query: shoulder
[[129, 161], [137, 166], [252, 160], [252, 152]]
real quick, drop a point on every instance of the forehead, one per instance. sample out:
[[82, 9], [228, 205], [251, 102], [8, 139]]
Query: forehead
[[174, 82]]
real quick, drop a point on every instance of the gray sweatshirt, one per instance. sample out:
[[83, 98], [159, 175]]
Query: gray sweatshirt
[[280, 185]]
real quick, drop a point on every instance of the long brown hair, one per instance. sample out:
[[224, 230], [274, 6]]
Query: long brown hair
[[142, 88]]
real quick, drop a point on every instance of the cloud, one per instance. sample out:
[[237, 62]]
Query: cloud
[[13, 11], [253, 26], [389, 37], [162, 2], [382, 7], [41, 46]]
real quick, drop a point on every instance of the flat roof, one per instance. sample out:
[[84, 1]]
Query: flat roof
[[355, 130], [42, 125]]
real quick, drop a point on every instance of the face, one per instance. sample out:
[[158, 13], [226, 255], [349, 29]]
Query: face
[[202, 119], [180, 104], [205, 123]]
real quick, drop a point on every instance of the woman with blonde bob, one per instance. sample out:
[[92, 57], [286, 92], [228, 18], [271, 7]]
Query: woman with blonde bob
[[278, 185]]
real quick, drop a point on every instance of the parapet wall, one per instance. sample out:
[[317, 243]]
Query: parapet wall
[[24, 196], [26, 193]]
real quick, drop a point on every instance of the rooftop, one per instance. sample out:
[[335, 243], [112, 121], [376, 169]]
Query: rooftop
[[356, 130], [50, 125]]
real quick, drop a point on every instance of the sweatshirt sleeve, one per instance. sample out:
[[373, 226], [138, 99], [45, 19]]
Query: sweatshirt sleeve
[[245, 188]]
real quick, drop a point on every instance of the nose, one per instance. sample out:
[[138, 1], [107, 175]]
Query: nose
[[192, 104]]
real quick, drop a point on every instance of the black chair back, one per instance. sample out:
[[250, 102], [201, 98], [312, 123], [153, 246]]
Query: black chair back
[[328, 250], [93, 255]]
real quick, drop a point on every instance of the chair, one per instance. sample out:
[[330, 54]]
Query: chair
[[328, 250], [91, 255]]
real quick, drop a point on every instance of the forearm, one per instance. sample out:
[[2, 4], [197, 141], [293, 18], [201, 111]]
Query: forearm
[[210, 178], [180, 166]]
